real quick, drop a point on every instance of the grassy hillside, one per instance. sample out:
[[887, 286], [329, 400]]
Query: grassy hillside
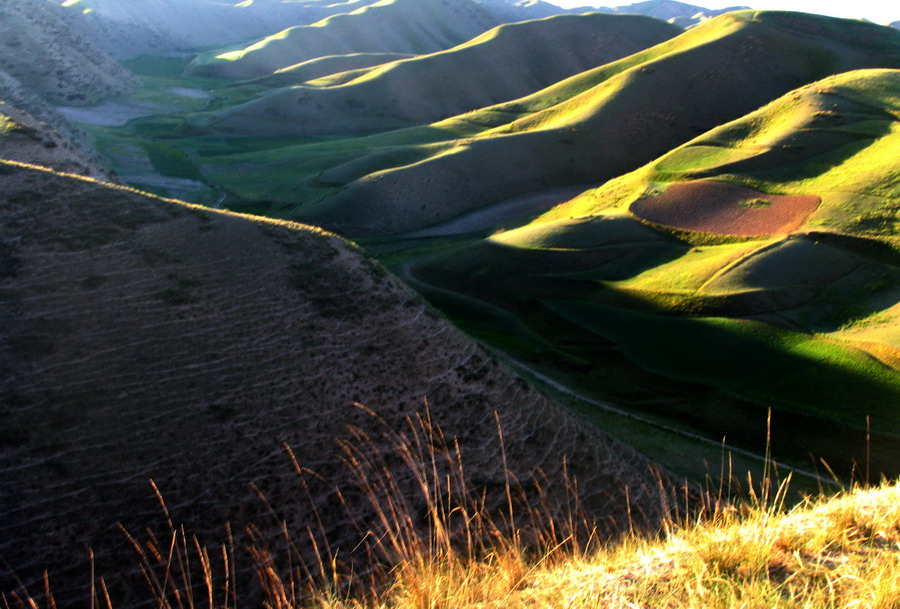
[[586, 129], [329, 65], [830, 552], [146, 339], [832, 142], [759, 261], [394, 26], [502, 64]]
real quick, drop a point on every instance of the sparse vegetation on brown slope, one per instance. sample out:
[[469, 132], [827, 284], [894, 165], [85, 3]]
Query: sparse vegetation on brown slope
[[326, 66], [145, 338], [505, 63], [829, 551], [24, 138]]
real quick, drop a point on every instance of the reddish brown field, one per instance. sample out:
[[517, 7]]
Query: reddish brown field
[[721, 208]]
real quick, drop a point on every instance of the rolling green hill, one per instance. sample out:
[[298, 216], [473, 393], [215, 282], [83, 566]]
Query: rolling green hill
[[587, 129], [505, 63], [387, 26], [686, 270], [320, 67]]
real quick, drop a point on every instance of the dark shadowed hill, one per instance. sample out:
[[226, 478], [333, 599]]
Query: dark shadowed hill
[[143, 338], [502, 64], [596, 125], [391, 26], [58, 62]]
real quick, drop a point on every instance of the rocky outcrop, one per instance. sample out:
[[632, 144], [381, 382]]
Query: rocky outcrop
[[148, 339]]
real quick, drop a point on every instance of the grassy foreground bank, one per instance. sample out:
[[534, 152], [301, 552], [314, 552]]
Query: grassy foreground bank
[[834, 550]]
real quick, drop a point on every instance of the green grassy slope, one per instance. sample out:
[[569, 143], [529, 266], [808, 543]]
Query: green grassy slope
[[505, 63], [722, 327], [321, 67], [835, 139], [605, 122], [397, 26]]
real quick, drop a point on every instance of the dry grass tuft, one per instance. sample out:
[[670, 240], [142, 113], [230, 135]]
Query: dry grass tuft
[[828, 552]]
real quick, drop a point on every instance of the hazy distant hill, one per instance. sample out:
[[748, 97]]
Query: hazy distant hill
[[132, 28], [598, 124], [520, 10], [145, 339], [679, 13], [60, 63], [393, 26], [502, 64]]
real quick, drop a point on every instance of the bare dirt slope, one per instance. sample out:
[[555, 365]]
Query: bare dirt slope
[[504, 63], [143, 338], [56, 61], [635, 109], [32, 131]]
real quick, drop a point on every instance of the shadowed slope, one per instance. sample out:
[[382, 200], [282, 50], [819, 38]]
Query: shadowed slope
[[604, 122], [505, 63], [835, 142], [143, 338], [33, 131], [393, 26], [24, 138], [326, 66], [58, 62], [126, 29]]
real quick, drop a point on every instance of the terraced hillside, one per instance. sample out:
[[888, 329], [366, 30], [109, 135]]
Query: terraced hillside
[[504, 63], [392, 26], [148, 339], [754, 267]]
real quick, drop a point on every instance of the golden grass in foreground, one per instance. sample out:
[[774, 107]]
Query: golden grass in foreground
[[833, 551]]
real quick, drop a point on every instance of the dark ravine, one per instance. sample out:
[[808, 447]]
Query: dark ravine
[[147, 339]]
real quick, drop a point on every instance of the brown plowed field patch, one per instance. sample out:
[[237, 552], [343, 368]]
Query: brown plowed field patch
[[727, 209]]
